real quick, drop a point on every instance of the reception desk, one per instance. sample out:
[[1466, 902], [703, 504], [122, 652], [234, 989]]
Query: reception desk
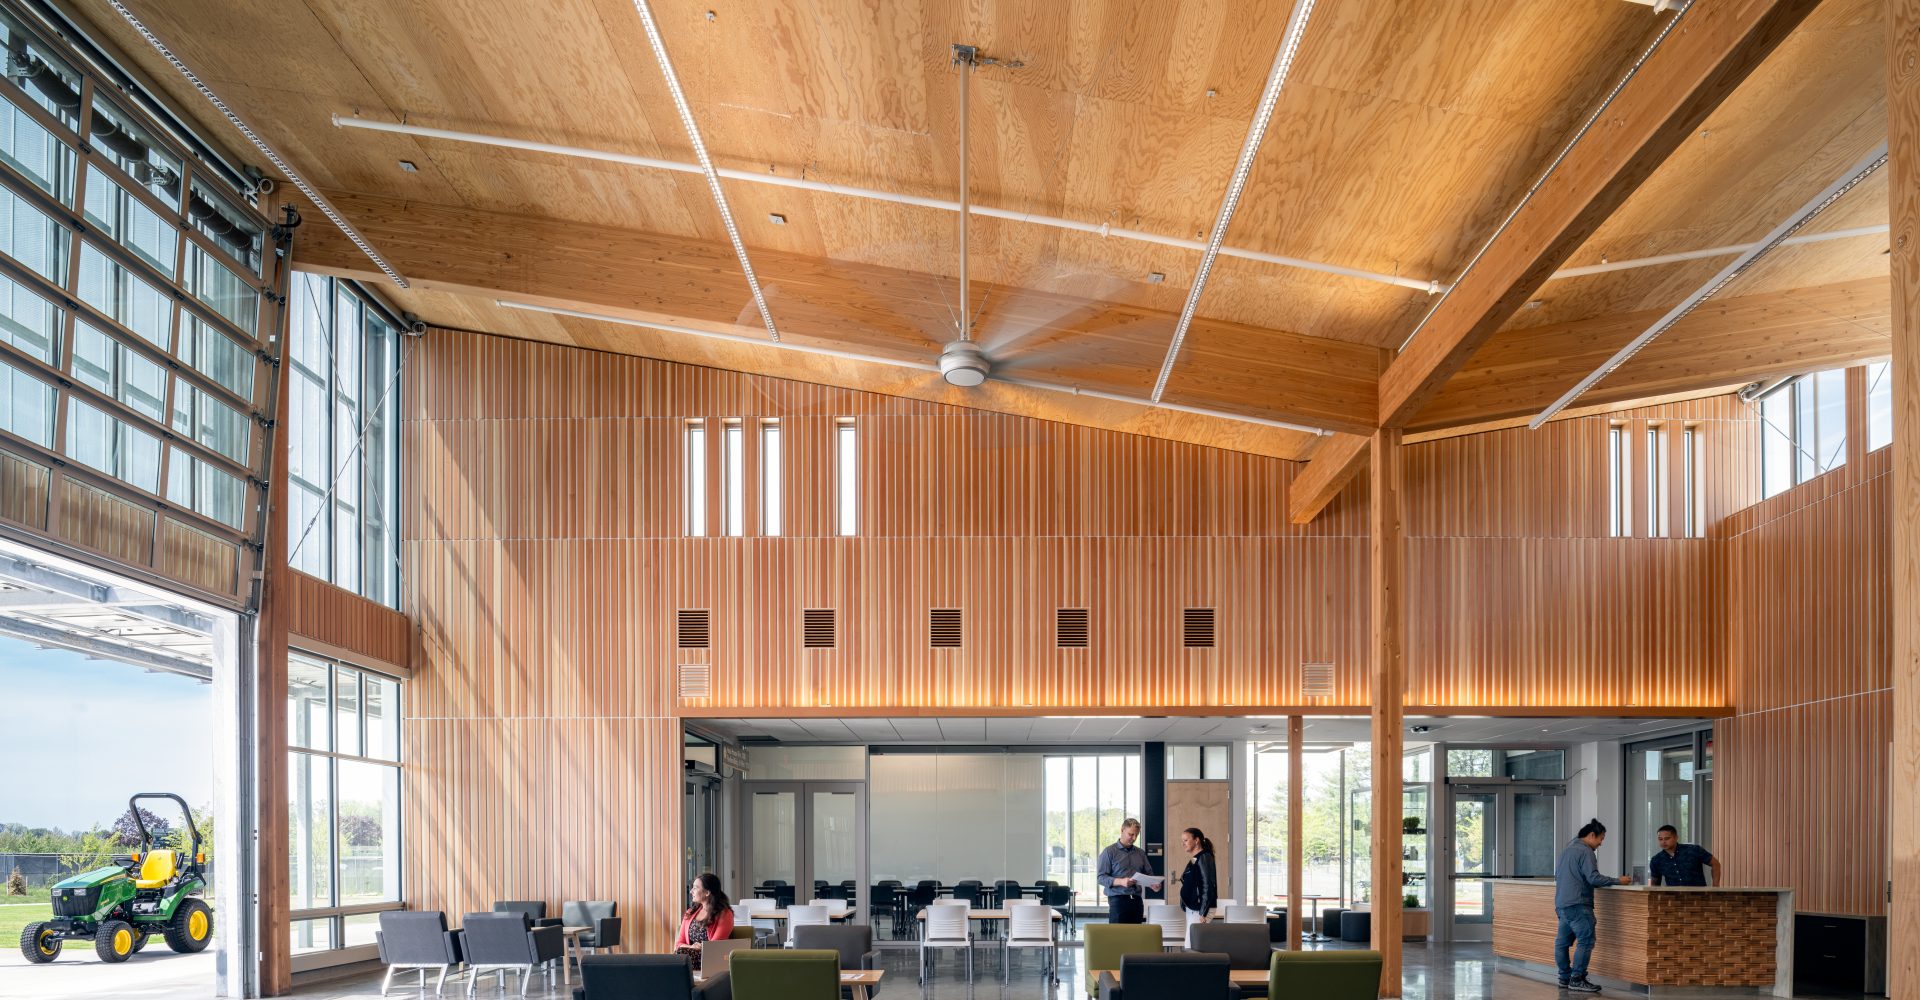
[[1664, 940]]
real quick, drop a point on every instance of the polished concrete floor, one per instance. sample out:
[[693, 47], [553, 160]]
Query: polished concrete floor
[[1432, 972]]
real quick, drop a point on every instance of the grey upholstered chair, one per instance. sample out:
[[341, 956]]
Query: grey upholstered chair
[[1175, 976], [854, 942], [668, 977], [599, 914], [507, 942], [535, 909], [1247, 946], [416, 939]]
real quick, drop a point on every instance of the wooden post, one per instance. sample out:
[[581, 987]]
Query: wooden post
[[270, 733], [1388, 545], [1903, 142], [1296, 850]]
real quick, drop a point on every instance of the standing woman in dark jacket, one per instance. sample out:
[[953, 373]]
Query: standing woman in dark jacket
[[1200, 883]]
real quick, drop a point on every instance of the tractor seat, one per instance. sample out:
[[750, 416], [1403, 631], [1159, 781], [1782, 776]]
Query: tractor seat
[[157, 869]]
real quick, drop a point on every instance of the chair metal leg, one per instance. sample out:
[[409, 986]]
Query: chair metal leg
[[438, 983], [527, 975], [387, 982]]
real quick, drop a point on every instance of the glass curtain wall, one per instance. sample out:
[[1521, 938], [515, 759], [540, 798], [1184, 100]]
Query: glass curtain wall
[[343, 802], [132, 303], [344, 454], [1087, 797], [1336, 821]]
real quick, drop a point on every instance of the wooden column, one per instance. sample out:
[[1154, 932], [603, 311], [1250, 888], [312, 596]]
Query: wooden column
[[1903, 138], [1388, 607], [1296, 849], [270, 732]]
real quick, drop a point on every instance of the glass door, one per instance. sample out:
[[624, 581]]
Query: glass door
[[1495, 830], [700, 815], [807, 834]]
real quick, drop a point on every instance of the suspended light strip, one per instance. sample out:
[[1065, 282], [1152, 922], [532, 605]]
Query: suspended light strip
[[833, 352], [1807, 213], [326, 207], [1101, 230], [1686, 255], [706, 162], [1565, 150], [1263, 114]]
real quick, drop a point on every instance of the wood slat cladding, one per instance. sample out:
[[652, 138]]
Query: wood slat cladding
[[1801, 773], [320, 611]]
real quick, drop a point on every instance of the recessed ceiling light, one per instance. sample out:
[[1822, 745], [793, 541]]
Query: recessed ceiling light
[[1155, 277], [407, 165], [776, 218]]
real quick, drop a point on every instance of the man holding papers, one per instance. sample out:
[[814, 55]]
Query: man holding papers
[[1124, 873]]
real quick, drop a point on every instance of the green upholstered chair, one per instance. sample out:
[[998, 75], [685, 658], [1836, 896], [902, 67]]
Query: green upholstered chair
[[1105, 943], [1324, 975], [782, 974]]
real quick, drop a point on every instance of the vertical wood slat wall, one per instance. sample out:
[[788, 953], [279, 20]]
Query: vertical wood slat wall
[[1801, 769], [544, 560]]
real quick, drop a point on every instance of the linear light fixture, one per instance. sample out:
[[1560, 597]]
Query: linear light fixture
[[326, 207], [1585, 127], [706, 162], [1792, 224], [916, 365], [1686, 255], [1249, 148], [1100, 229]]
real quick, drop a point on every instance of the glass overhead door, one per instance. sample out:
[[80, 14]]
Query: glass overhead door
[[808, 834], [1495, 830]]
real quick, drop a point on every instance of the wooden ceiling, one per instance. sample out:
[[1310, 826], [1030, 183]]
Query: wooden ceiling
[[1406, 133]]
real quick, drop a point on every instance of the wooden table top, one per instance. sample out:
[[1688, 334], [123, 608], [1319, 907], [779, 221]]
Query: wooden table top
[[1000, 914], [1239, 977]]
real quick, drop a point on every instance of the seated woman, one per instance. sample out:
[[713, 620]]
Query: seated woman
[[708, 918]]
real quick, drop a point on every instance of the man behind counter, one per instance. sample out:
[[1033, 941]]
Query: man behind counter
[[1680, 864]]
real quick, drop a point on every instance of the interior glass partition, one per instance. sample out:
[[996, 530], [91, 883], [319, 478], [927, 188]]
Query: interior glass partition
[[1087, 797], [1668, 780]]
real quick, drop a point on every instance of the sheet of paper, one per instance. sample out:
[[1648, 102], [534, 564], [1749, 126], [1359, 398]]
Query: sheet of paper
[[1150, 881]]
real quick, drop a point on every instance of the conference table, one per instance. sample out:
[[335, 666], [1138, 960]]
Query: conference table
[[782, 915]]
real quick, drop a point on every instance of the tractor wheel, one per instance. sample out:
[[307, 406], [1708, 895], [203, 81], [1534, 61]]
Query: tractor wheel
[[140, 935], [191, 927], [39, 943], [114, 941]]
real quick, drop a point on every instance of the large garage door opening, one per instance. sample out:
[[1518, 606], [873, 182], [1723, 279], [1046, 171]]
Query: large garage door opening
[[120, 826]]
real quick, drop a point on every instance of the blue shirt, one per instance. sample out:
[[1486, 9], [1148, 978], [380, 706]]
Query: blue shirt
[[1121, 862], [1686, 866], [1575, 875]]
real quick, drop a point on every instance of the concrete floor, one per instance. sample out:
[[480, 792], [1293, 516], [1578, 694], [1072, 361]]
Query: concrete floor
[[1432, 972]]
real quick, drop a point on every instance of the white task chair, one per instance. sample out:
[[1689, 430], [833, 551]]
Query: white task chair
[[765, 929], [1172, 922], [1244, 914], [947, 927], [801, 916], [835, 907], [1029, 926]]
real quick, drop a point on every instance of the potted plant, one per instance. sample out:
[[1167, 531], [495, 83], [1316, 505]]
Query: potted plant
[[1410, 901], [1411, 824]]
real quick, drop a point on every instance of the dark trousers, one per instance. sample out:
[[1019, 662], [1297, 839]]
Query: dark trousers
[[1125, 910], [1576, 930]]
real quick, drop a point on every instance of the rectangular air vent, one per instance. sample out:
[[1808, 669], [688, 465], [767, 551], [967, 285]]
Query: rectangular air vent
[[818, 629], [1196, 628], [1316, 680], [694, 628], [943, 628], [1070, 628], [695, 680]]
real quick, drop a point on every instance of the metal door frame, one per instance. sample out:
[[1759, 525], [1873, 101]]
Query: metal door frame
[[803, 792], [1504, 790]]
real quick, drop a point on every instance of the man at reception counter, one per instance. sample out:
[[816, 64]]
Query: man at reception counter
[[1680, 864], [1575, 875]]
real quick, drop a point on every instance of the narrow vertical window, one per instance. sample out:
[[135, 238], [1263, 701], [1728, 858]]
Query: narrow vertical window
[[1776, 442], [846, 450], [733, 475], [696, 473], [1689, 498], [1616, 481], [1658, 508], [771, 485], [1879, 406]]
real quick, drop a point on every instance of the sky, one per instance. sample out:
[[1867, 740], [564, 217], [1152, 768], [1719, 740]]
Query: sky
[[78, 736]]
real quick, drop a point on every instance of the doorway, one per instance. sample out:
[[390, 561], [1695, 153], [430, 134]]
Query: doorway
[[1496, 829], [811, 835]]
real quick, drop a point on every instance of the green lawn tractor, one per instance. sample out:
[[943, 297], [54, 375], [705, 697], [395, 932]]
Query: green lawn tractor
[[118, 906]]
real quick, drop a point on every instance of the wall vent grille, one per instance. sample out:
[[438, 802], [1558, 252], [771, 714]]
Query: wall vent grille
[[1196, 628], [694, 628], [819, 628], [1316, 680], [943, 628], [695, 680], [1070, 628]]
